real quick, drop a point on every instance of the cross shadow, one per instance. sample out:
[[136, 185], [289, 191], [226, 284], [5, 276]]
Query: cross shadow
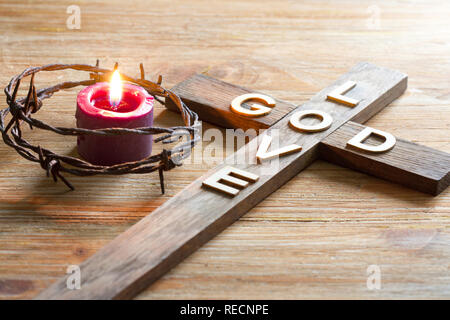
[[376, 186]]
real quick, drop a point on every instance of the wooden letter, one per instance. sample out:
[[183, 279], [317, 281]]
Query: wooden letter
[[210, 99], [228, 179], [358, 140], [256, 110], [337, 94], [325, 123], [263, 155], [412, 165]]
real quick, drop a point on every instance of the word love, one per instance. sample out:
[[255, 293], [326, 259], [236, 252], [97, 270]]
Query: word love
[[230, 180]]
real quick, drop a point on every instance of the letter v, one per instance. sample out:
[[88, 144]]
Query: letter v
[[263, 155]]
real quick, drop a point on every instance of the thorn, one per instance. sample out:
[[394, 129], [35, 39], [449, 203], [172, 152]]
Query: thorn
[[15, 91], [35, 98], [27, 100], [141, 66], [161, 179], [66, 182]]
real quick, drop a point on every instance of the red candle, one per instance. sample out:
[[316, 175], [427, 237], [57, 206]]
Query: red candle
[[114, 105]]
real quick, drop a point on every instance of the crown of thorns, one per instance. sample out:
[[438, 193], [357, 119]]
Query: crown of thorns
[[21, 110]]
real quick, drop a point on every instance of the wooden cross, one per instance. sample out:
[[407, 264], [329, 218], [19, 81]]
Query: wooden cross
[[150, 248]]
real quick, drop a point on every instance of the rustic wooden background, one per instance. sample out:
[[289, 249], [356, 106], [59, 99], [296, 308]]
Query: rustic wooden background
[[313, 238]]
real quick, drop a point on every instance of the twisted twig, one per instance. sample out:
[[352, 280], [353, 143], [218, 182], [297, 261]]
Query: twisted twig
[[22, 108]]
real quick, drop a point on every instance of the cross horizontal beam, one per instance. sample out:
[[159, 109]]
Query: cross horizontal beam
[[409, 164], [412, 165], [211, 99]]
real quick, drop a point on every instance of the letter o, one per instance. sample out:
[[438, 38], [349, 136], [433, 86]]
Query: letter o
[[325, 123]]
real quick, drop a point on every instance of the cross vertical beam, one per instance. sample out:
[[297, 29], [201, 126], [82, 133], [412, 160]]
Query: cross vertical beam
[[161, 240]]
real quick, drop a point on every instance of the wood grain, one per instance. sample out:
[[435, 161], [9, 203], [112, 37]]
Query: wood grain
[[321, 230], [211, 99], [161, 240], [415, 166]]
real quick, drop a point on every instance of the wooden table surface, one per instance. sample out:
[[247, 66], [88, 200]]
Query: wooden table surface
[[313, 238]]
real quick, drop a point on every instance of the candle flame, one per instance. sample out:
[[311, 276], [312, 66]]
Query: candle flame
[[115, 89]]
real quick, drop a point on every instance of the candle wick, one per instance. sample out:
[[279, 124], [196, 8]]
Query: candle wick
[[114, 105]]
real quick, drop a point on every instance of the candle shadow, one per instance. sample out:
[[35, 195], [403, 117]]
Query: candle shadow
[[105, 199], [92, 187], [98, 199], [52, 203]]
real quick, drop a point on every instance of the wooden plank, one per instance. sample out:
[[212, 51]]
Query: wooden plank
[[320, 230], [161, 240], [412, 165], [211, 99]]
